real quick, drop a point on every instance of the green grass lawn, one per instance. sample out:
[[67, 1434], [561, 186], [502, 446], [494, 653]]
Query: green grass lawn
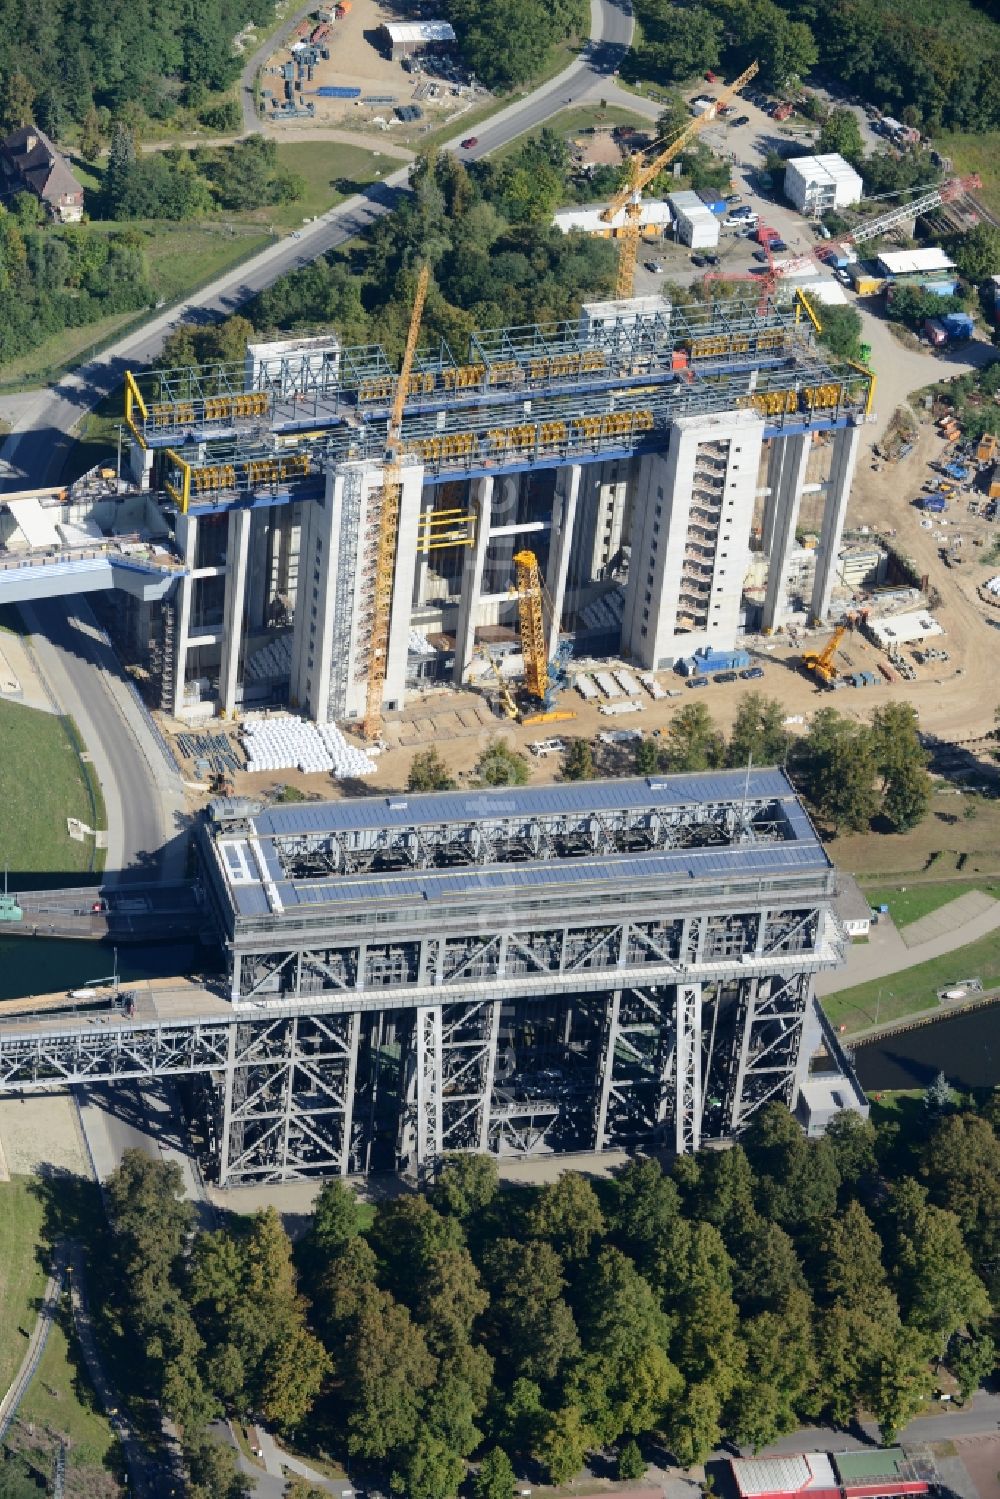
[[914, 901], [975, 153], [22, 1278], [914, 989], [332, 172], [183, 257], [61, 1398], [42, 783]]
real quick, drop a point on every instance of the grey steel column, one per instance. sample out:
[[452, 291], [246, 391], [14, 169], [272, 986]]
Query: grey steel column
[[350, 1082], [608, 1070], [687, 1118], [430, 1104], [227, 1107], [491, 1067]]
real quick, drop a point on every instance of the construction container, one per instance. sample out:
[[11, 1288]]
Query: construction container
[[713, 200], [987, 449], [936, 503], [936, 332], [957, 324], [706, 663], [866, 282]]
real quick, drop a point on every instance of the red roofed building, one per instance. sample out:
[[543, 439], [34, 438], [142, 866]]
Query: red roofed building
[[30, 163], [807, 1473]]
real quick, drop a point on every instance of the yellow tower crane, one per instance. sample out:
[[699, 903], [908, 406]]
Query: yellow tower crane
[[385, 556], [642, 168], [529, 615]]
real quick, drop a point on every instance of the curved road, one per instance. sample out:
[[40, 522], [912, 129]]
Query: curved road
[[144, 814], [33, 455]]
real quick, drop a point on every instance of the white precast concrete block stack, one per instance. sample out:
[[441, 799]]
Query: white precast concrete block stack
[[284, 742], [607, 684], [651, 685]]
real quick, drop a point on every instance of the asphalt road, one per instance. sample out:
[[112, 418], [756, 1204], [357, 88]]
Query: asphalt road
[[34, 454], [142, 813], [86, 680]]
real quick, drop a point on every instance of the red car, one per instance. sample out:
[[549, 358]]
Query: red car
[[469, 142]]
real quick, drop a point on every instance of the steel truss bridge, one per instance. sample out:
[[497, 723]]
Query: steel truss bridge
[[547, 969], [541, 395]]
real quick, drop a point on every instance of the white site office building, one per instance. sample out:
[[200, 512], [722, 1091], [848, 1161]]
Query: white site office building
[[818, 184]]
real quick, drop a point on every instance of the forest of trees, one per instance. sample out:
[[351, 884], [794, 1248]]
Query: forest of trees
[[508, 41], [738, 1295], [854, 775], [929, 61], [494, 256], [61, 58], [66, 277], [180, 184]]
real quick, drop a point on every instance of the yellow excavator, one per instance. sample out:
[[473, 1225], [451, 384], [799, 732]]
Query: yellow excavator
[[820, 663]]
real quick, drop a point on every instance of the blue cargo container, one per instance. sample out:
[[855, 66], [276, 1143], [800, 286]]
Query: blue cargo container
[[705, 663], [934, 502], [713, 200], [957, 324]]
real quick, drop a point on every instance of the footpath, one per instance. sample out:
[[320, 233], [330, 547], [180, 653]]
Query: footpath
[[36, 1343], [886, 952]]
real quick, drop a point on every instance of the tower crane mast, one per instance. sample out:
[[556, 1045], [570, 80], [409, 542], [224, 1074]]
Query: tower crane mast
[[388, 532], [642, 168], [532, 626]]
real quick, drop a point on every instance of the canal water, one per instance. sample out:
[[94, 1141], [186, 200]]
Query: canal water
[[35, 965], [966, 1048]]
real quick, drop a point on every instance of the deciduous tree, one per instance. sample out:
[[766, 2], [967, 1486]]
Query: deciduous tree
[[428, 772]]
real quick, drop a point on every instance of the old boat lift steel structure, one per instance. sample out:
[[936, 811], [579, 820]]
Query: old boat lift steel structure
[[573, 967]]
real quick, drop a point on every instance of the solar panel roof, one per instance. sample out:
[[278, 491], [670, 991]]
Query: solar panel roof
[[447, 885], [406, 810]]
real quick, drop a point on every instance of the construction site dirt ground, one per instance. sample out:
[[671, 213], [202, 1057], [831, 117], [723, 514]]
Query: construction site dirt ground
[[956, 700], [356, 62]]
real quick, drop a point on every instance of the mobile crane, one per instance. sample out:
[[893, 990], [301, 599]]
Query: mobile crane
[[820, 663], [642, 168]]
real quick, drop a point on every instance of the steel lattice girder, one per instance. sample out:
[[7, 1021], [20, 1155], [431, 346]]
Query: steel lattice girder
[[506, 839], [768, 1038], [40, 1062], [288, 1098]]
